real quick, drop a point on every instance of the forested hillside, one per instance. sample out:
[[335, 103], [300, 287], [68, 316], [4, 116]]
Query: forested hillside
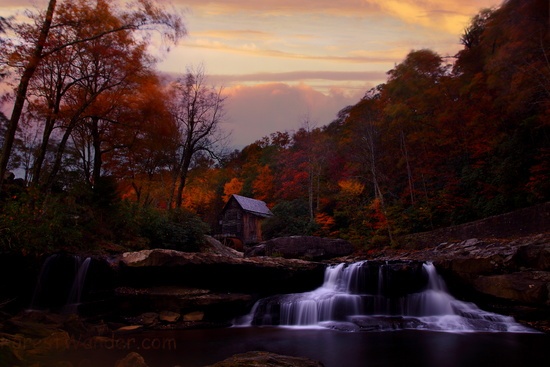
[[444, 141]]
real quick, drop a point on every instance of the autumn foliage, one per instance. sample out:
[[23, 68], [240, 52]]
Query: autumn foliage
[[442, 142]]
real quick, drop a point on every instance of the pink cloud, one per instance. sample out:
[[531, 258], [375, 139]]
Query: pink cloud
[[259, 110]]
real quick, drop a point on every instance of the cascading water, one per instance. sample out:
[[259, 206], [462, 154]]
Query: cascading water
[[60, 283], [75, 295], [40, 287], [379, 296]]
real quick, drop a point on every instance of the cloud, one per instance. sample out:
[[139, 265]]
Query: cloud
[[303, 76], [354, 57], [248, 34], [257, 111], [451, 16]]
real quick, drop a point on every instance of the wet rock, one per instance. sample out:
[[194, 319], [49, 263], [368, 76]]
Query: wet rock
[[148, 318], [169, 316], [255, 359], [381, 323], [194, 316], [128, 328], [535, 255], [175, 300], [133, 359], [302, 247], [21, 350], [529, 287], [161, 267]]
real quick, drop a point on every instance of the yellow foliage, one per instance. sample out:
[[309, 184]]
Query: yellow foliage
[[351, 187]]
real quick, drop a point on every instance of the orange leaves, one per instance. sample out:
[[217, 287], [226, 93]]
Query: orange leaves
[[264, 185], [351, 187], [377, 219], [234, 186], [326, 225]]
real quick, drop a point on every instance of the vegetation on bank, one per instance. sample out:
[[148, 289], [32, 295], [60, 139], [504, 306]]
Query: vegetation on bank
[[86, 219], [444, 141]]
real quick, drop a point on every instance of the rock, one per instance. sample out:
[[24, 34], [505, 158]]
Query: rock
[[530, 287], [194, 316], [161, 267], [169, 316], [535, 255], [302, 247], [148, 318], [133, 359], [255, 359], [129, 328], [213, 246], [182, 299]]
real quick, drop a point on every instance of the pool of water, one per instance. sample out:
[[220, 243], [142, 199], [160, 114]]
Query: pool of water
[[333, 348]]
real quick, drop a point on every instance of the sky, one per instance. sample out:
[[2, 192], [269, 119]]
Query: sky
[[282, 62]]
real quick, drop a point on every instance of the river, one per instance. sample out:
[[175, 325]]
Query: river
[[189, 348]]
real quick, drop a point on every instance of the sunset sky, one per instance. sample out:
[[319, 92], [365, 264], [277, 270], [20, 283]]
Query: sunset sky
[[282, 61]]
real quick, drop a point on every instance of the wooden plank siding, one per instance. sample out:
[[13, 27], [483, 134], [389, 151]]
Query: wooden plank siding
[[241, 223]]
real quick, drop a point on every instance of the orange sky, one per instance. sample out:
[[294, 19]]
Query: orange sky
[[283, 60]]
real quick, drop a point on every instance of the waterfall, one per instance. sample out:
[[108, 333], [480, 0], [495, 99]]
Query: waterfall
[[40, 287], [60, 283], [379, 296], [75, 295]]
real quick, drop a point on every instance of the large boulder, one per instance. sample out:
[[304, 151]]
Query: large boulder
[[529, 287], [302, 247]]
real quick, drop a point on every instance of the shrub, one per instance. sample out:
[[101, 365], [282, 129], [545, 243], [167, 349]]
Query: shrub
[[290, 218], [178, 229]]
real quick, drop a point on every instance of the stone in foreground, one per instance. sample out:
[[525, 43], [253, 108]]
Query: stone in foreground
[[254, 359]]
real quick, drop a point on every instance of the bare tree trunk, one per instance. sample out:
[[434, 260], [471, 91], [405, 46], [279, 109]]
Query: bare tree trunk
[[369, 139], [183, 177], [409, 170], [175, 176], [59, 155], [96, 143], [21, 94], [41, 155], [310, 192]]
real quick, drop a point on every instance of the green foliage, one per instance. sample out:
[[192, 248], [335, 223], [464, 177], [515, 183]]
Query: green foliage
[[290, 218], [178, 229], [92, 219], [45, 226]]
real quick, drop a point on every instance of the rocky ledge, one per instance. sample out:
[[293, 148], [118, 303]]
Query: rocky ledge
[[219, 287], [302, 247], [219, 272]]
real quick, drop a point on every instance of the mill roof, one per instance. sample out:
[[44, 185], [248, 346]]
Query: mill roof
[[253, 206]]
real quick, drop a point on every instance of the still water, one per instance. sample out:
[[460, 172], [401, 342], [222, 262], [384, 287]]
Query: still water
[[333, 348]]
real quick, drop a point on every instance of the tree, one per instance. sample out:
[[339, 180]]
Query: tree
[[234, 186], [144, 15], [197, 110], [141, 163]]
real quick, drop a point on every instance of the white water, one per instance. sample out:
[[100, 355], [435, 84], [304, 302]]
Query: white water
[[39, 288], [75, 295], [337, 304], [56, 275]]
